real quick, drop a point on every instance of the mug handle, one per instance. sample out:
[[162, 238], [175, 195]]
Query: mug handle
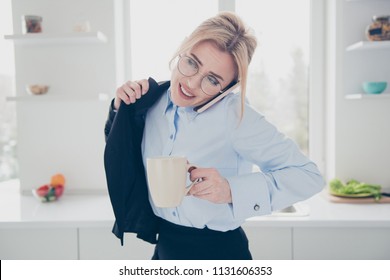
[[191, 167]]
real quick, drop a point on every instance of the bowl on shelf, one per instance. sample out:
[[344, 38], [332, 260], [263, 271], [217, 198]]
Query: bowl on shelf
[[374, 87], [37, 89]]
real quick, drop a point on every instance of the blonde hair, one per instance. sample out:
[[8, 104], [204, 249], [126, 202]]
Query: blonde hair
[[229, 33]]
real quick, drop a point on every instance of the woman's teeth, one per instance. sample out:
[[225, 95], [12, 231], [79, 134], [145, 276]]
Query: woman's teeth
[[185, 92]]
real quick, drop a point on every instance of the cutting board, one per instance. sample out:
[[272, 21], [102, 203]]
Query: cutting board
[[336, 199]]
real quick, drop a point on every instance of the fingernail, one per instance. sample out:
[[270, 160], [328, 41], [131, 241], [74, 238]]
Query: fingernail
[[191, 168]]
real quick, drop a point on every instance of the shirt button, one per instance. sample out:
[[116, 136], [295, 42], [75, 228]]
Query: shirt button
[[171, 136], [256, 207], [174, 213]]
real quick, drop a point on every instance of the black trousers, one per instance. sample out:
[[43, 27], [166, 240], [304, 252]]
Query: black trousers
[[186, 243]]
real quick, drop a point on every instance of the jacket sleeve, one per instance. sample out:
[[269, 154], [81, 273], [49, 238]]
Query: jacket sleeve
[[110, 119]]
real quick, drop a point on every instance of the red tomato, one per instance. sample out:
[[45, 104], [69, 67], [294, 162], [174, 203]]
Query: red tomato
[[59, 190], [42, 190]]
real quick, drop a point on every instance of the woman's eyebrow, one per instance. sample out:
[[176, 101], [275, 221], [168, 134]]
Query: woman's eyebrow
[[201, 64]]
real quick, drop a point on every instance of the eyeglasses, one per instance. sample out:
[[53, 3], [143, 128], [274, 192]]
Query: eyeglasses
[[188, 67]]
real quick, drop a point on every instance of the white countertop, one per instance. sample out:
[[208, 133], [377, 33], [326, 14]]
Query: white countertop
[[20, 211], [69, 211]]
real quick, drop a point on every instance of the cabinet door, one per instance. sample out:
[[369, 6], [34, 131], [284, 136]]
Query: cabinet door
[[38, 244], [341, 243], [101, 243], [269, 243]]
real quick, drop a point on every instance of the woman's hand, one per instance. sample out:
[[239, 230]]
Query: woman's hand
[[213, 186], [130, 91]]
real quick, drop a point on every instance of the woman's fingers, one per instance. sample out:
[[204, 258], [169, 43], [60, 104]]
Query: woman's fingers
[[144, 86], [201, 188], [213, 186], [133, 90], [130, 91]]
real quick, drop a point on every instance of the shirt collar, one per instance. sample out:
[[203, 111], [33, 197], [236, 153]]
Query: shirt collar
[[168, 102], [191, 114]]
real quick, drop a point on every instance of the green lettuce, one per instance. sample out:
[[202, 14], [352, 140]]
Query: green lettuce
[[354, 187]]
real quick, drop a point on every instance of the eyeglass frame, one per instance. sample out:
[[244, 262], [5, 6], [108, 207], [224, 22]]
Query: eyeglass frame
[[230, 85]]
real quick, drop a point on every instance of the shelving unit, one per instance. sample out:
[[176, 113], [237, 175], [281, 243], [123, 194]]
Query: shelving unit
[[58, 39], [57, 98], [62, 131], [358, 146], [364, 0], [368, 96], [369, 45]]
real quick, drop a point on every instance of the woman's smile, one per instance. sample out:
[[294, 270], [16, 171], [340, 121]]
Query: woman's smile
[[185, 92]]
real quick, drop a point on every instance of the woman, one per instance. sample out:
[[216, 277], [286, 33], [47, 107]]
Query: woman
[[225, 139]]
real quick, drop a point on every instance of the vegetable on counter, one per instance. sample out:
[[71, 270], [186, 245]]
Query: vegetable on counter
[[354, 187], [53, 191]]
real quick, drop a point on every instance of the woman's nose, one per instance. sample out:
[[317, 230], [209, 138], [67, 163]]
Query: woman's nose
[[194, 81]]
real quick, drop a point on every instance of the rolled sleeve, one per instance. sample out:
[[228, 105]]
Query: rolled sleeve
[[250, 195]]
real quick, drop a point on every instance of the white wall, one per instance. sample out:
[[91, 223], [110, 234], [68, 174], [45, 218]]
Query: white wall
[[65, 134], [358, 130]]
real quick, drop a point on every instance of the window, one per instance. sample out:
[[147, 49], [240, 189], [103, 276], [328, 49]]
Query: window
[[278, 84], [8, 163]]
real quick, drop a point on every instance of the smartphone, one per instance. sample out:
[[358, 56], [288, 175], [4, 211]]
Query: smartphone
[[215, 99]]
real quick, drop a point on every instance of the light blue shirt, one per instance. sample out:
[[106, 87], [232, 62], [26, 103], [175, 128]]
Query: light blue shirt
[[216, 138]]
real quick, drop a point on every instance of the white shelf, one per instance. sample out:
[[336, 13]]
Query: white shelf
[[67, 38], [367, 96], [365, 0], [56, 98], [369, 45]]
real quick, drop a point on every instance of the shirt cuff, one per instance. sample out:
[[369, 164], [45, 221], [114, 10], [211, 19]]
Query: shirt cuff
[[250, 195]]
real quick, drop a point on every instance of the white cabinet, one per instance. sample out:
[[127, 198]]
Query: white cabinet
[[341, 243], [276, 243], [38, 244], [270, 243], [102, 244], [99, 243]]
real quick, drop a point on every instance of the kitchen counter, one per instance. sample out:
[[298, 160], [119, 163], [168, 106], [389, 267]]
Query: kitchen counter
[[79, 227], [95, 211], [18, 210]]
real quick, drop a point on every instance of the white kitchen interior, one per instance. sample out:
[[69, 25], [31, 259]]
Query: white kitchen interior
[[67, 128]]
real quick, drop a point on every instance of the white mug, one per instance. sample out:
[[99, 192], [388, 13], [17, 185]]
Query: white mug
[[167, 179]]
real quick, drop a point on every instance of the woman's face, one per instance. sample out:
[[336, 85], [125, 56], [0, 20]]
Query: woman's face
[[211, 62]]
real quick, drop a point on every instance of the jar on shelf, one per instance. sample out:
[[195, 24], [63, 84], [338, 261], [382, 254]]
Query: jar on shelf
[[379, 29]]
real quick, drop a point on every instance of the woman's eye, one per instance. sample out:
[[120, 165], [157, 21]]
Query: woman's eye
[[212, 80], [192, 63]]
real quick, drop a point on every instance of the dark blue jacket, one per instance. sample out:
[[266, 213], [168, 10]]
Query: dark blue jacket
[[125, 172]]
